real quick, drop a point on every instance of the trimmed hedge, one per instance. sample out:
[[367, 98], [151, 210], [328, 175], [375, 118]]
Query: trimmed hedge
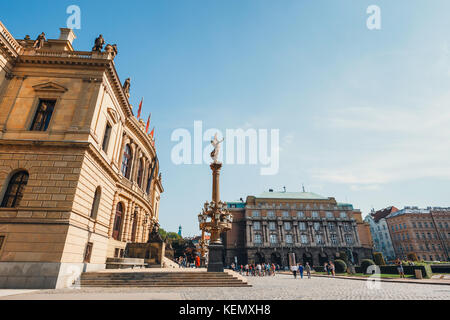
[[440, 268], [366, 263], [378, 259], [340, 266]]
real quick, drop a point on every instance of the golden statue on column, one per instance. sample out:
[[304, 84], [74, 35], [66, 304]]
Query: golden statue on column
[[215, 218]]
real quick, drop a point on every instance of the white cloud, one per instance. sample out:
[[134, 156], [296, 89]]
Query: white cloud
[[408, 144]]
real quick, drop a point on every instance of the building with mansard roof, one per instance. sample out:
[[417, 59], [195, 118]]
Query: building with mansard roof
[[79, 175], [267, 227]]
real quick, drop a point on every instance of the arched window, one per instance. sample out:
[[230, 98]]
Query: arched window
[[126, 161], [140, 173], [118, 221], [95, 204], [14, 191]]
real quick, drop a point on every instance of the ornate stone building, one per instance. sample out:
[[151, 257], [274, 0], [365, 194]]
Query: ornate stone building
[[425, 232], [266, 228], [79, 175]]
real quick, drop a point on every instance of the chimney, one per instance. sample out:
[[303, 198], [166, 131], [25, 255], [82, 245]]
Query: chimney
[[67, 34]]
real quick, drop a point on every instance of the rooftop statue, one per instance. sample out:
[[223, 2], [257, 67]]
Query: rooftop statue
[[99, 43], [126, 86], [39, 43]]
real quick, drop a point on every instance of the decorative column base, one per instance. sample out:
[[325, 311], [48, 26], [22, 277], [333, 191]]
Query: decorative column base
[[215, 258]]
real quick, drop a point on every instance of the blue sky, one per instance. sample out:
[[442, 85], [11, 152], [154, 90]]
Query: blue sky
[[363, 115]]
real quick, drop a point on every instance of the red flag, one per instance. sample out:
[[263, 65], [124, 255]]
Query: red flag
[[148, 123], [140, 108], [152, 133]]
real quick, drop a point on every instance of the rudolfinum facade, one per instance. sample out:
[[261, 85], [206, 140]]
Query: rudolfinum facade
[[79, 174]]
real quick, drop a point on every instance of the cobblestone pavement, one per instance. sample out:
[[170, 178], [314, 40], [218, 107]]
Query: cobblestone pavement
[[280, 287]]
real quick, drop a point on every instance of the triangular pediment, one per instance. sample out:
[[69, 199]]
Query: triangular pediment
[[49, 87]]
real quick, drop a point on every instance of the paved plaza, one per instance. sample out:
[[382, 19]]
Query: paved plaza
[[280, 287]]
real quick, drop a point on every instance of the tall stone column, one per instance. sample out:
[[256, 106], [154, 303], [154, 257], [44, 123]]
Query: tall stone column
[[247, 229], [113, 214], [129, 222], [355, 231], [215, 247]]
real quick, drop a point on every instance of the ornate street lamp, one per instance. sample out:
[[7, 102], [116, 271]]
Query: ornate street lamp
[[215, 218]]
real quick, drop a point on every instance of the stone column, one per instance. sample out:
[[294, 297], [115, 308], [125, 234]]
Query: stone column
[[327, 234], [113, 214], [355, 231], [247, 229], [128, 222], [215, 167]]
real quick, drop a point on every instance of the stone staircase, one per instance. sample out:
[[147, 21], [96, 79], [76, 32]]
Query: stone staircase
[[162, 279]]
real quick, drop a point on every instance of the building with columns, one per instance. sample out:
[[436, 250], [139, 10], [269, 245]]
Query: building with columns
[[266, 228], [79, 174]]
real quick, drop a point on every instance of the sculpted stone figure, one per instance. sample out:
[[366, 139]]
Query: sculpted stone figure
[[126, 86], [112, 49], [99, 43], [216, 144], [39, 43]]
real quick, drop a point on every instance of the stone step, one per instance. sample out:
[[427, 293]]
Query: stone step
[[160, 279]]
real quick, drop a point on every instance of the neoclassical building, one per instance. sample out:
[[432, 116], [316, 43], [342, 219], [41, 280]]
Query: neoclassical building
[[266, 228], [79, 174]]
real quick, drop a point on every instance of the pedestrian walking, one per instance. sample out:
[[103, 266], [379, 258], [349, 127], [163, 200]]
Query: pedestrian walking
[[294, 270], [308, 270], [399, 264], [300, 270], [197, 261], [332, 269]]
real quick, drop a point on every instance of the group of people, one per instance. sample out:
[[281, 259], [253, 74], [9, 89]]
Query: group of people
[[329, 268], [300, 269], [183, 262], [259, 269]]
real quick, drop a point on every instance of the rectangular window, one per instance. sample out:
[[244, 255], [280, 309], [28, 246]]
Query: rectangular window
[[88, 252], [255, 214], [315, 214], [289, 238], [304, 238], [302, 226], [348, 239], [106, 137], [256, 225], [258, 239], [334, 239], [271, 214], [330, 215], [285, 214], [287, 226], [43, 115], [316, 226], [273, 238], [319, 239], [272, 226], [300, 214]]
